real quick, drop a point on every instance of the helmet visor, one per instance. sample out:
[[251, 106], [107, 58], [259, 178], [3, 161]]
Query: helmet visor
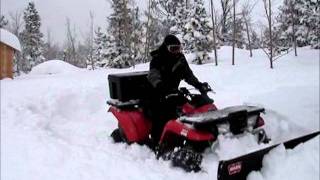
[[174, 48]]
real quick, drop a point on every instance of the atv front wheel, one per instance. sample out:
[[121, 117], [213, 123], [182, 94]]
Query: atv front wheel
[[187, 159]]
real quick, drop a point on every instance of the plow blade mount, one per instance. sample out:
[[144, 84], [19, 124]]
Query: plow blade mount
[[238, 168]]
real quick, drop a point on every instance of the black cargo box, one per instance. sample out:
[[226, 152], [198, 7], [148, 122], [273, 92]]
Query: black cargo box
[[128, 86]]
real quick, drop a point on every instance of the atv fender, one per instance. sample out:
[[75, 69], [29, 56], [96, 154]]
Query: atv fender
[[133, 123], [180, 129]]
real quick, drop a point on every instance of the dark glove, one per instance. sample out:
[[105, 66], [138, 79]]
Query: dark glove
[[204, 87]]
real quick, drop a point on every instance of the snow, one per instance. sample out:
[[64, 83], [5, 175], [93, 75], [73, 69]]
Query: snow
[[281, 163], [54, 67], [55, 124], [9, 39]]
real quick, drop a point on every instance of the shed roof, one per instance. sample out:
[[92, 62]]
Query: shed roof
[[9, 39]]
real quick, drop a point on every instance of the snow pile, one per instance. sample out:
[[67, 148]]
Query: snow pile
[[54, 67], [300, 163], [57, 126], [9, 39]]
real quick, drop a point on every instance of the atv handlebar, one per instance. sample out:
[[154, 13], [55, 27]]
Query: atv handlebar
[[183, 91]]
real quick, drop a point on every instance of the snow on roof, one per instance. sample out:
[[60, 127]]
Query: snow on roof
[[9, 39]]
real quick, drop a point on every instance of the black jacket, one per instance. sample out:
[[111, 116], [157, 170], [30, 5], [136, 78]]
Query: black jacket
[[167, 71]]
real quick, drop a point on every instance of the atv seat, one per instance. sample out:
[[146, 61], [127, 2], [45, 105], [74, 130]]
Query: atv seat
[[132, 104], [237, 116]]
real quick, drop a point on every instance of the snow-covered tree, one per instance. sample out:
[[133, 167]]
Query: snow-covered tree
[[255, 39], [155, 30], [31, 37], [225, 34], [3, 21], [198, 33], [120, 29], [299, 23], [289, 25], [99, 48], [180, 17], [136, 36], [311, 20], [160, 18], [168, 12]]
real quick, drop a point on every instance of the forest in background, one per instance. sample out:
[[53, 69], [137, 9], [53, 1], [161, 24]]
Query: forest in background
[[129, 34]]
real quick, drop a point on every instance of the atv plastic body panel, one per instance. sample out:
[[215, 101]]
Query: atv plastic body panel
[[133, 123], [178, 128]]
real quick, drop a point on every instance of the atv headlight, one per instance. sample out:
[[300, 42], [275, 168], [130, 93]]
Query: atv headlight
[[251, 122]]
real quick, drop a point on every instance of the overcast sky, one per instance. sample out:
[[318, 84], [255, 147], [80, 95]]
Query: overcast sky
[[53, 13]]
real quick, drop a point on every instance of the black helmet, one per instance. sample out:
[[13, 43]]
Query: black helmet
[[172, 44], [171, 40]]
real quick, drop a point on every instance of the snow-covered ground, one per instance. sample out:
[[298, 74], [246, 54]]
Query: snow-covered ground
[[55, 124]]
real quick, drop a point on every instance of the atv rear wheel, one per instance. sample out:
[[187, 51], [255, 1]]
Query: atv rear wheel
[[118, 136]]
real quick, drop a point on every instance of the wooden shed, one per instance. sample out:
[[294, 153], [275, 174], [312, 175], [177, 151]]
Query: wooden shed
[[9, 44]]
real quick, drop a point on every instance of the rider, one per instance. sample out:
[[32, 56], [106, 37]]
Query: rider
[[167, 68]]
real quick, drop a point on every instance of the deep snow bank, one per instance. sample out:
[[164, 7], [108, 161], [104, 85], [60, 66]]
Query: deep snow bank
[[57, 126]]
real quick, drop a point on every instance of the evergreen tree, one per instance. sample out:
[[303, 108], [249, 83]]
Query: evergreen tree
[[158, 24], [305, 16], [255, 40], [3, 21], [99, 45], [168, 12], [311, 20], [240, 33], [288, 18], [155, 32], [120, 29], [198, 33], [136, 37], [31, 37], [183, 14]]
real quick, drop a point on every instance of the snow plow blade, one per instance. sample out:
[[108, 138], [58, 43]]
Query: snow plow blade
[[238, 168]]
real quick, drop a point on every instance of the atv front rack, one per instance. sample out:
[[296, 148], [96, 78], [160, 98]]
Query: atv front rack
[[235, 119], [217, 116]]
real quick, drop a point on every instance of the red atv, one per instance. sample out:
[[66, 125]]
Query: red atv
[[183, 139]]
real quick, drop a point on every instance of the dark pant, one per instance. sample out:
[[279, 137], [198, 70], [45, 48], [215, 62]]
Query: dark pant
[[159, 112]]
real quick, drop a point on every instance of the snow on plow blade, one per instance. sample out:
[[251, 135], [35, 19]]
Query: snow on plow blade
[[238, 168]]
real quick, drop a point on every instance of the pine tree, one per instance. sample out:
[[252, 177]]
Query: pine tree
[[120, 29], [160, 18], [304, 16], [184, 13], [311, 20], [155, 32], [3, 21], [31, 37], [136, 36], [287, 19], [256, 41], [198, 33], [99, 46]]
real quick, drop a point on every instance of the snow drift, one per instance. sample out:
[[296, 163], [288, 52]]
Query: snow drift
[[54, 67]]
